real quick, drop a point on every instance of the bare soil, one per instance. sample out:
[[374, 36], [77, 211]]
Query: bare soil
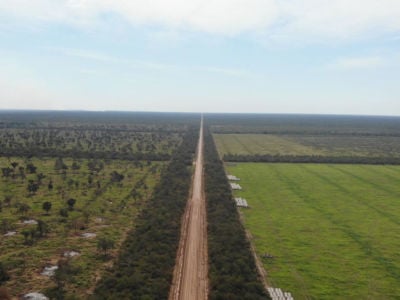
[[191, 270]]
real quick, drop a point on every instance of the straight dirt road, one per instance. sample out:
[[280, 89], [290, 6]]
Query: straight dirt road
[[191, 271]]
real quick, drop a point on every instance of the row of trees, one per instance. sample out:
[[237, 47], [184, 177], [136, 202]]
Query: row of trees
[[146, 261], [73, 140], [232, 270], [36, 152], [312, 159]]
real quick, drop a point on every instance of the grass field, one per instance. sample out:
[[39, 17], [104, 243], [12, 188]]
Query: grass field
[[321, 145], [103, 206], [333, 229], [250, 144]]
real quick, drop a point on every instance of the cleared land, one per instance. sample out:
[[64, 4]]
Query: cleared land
[[332, 229], [321, 145], [251, 144], [191, 271], [108, 196]]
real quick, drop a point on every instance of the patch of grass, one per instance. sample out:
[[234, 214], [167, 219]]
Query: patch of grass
[[250, 144], [332, 229], [307, 145]]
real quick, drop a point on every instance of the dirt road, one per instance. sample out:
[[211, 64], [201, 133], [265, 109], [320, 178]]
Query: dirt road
[[191, 271]]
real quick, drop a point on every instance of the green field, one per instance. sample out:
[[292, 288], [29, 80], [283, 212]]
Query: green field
[[333, 230], [320, 145], [250, 144], [105, 205]]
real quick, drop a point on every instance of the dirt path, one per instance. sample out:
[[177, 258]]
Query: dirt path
[[190, 280]]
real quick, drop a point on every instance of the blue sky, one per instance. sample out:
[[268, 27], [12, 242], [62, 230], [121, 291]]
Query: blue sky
[[272, 56]]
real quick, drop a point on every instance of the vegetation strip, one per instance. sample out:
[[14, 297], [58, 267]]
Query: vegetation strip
[[146, 261], [232, 270], [312, 159]]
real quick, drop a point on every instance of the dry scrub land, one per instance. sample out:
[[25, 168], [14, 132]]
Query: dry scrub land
[[108, 195]]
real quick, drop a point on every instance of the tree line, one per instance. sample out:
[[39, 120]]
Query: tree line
[[40, 153], [232, 270], [312, 159], [145, 265]]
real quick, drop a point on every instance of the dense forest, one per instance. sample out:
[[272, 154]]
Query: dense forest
[[232, 270], [146, 261]]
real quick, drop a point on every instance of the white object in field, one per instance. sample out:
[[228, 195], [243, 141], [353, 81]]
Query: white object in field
[[71, 253], [233, 178], [10, 233], [278, 294], [49, 271], [30, 222], [35, 296], [241, 202], [88, 235], [235, 186]]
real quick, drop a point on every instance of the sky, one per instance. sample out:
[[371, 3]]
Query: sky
[[263, 56]]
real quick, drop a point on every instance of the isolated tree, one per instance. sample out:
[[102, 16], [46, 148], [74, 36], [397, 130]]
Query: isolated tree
[[31, 168], [32, 187], [50, 185], [60, 165], [6, 225], [71, 202], [29, 236], [47, 206], [116, 177], [3, 274], [75, 166], [7, 200], [23, 208], [104, 244], [39, 177], [63, 212], [64, 274], [42, 228], [7, 172], [21, 172], [14, 164]]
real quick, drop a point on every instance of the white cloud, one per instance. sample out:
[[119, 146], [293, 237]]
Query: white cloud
[[350, 63], [131, 63], [276, 18]]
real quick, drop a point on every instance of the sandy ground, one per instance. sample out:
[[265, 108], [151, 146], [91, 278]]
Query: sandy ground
[[190, 280]]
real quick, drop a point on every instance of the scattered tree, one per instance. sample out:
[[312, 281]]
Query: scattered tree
[[104, 244], [42, 228], [71, 202], [23, 208], [63, 212], [60, 165], [31, 168], [47, 206], [32, 187], [3, 274], [116, 177], [50, 185]]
